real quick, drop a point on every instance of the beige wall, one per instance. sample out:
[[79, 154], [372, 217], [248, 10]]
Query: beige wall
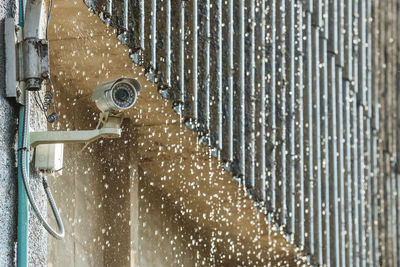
[[111, 217], [120, 196], [78, 198], [79, 194]]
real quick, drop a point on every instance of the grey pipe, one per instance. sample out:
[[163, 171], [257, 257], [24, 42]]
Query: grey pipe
[[35, 19], [35, 45]]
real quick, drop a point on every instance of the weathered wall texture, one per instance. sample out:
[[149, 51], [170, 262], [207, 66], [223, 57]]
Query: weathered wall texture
[[8, 185], [8, 171]]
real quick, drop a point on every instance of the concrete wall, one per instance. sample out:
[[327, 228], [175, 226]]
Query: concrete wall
[[8, 185], [8, 172], [78, 196], [111, 217], [78, 191], [166, 236], [113, 213]]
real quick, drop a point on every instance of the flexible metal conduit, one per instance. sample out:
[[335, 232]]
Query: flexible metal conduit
[[22, 235], [24, 154], [22, 232]]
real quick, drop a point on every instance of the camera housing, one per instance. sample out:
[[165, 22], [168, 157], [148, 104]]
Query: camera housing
[[117, 95]]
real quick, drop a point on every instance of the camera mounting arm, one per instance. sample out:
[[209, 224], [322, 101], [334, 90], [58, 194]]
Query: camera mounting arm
[[70, 137], [111, 129]]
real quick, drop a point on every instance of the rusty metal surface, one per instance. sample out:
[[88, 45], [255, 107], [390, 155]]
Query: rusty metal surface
[[298, 99]]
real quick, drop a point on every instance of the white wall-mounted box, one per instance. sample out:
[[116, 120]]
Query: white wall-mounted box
[[49, 157]]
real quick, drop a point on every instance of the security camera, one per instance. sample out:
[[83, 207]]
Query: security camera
[[117, 95]]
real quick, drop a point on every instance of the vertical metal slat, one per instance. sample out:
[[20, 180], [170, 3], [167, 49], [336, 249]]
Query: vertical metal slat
[[281, 120], [309, 147], [271, 106], [300, 123], [317, 148], [325, 149], [291, 135], [249, 95]]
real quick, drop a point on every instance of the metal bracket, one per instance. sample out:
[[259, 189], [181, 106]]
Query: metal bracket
[[70, 137], [111, 129], [27, 61]]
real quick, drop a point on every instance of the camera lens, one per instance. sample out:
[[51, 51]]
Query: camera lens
[[124, 95], [121, 95]]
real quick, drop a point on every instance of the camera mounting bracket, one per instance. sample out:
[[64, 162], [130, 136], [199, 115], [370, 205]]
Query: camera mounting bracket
[[111, 128]]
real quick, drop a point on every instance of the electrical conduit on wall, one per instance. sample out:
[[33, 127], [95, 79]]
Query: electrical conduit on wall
[[22, 230]]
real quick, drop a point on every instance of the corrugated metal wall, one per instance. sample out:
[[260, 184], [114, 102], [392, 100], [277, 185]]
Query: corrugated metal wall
[[299, 100]]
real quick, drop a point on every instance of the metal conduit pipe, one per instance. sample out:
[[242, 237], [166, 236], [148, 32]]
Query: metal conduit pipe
[[22, 232]]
